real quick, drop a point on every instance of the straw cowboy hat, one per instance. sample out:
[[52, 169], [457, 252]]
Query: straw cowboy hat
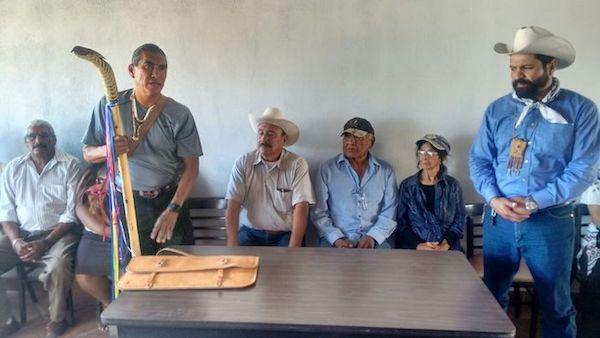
[[274, 116], [537, 40]]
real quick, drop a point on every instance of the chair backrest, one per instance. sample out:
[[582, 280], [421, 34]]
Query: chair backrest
[[208, 220], [582, 220], [474, 228]]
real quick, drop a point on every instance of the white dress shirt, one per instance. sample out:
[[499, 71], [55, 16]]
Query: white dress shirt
[[39, 201]]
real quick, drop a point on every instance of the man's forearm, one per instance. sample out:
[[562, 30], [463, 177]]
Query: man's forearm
[[299, 224], [190, 173], [58, 232], [11, 229], [232, 221], [94, 154]]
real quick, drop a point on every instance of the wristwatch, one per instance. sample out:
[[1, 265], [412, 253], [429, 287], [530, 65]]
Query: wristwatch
[[174, 207], [531, 205]]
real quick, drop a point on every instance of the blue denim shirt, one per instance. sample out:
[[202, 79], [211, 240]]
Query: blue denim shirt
[[348, 207], [446, 222], [559, 159]]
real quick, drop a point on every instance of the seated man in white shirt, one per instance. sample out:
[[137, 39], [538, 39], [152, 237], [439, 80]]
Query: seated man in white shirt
[[37, 212], [270, 186]]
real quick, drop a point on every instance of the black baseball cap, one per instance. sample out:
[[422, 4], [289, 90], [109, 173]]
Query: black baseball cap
[[359, 127]]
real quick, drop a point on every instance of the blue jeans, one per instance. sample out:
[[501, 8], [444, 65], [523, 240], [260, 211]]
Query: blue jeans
[[253, 237], [324, 243], [546, 242]]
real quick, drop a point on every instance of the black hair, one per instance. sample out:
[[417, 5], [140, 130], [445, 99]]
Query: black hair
[[148, 48], [544, 59]]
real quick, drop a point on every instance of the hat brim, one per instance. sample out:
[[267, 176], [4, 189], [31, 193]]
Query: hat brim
[[290, 128], [434, 144], [553, 46]]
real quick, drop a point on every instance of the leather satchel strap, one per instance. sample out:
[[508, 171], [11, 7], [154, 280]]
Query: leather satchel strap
[[175, 251], [153, 113]]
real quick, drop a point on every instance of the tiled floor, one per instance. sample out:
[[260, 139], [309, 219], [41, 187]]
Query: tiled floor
[[85, 318]]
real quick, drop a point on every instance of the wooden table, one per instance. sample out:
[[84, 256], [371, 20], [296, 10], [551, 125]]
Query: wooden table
[[321, 292]]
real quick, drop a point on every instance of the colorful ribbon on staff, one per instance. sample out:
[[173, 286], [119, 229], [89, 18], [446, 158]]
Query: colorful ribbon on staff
[[120, 248]]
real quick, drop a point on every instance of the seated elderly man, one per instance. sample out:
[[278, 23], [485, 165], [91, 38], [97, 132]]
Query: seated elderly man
[[270, 186], [37, 211], [356, 193]]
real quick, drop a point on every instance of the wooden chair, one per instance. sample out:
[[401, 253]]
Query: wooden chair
[[208, 219], [523, 279]]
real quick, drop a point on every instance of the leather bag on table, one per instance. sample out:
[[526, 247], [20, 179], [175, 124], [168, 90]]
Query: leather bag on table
[[188, 272]]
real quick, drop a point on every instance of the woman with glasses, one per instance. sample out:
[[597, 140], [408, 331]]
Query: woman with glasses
[[431, 211]]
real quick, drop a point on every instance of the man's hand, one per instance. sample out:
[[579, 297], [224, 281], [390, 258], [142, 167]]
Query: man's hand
[[442, 246], [342, 243], [163, 228], [509, 209], [19, 247], [366, 242], [520, 208], [32, 251], [121, 144]]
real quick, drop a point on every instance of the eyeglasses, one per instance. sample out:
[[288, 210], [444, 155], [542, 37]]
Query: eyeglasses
[[33, 136], [427, 153]]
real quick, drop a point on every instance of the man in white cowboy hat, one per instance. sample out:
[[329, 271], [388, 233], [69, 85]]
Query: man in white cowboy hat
[[356, 193], [535, 152], [269, 191]]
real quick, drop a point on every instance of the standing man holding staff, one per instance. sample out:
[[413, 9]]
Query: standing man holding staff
[[163, 149]]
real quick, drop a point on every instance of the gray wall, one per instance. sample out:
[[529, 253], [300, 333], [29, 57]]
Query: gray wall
[[411, 67]]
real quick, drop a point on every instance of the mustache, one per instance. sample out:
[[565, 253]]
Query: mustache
[[40, 145], [522, 81], [265, 144]]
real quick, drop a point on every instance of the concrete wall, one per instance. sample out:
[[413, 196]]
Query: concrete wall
[[411, 67]]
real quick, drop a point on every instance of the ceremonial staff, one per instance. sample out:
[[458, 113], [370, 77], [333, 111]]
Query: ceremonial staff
[[111, 92]]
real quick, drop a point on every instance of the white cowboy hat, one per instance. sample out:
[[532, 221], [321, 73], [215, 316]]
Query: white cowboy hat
[[537, 40], [274, 116]]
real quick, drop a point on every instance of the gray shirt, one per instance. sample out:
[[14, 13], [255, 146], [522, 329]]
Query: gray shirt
[[157, 161], [268, 195]]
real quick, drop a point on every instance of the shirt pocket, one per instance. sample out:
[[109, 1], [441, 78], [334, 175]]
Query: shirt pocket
[[282, 201], [555, 139]]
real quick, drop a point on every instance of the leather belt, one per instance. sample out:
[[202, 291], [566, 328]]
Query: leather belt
[[150, 194], [557, 206]]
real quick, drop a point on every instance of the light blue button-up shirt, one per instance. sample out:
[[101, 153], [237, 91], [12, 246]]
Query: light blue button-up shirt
[[560, 159], [348, 207]]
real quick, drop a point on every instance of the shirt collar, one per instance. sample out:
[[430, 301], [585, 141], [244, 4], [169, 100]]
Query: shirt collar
[[59, 156], [258, 159], [372, 161]]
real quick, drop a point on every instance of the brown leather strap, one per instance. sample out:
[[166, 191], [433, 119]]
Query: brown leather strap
[[171, 250], [153, 113]]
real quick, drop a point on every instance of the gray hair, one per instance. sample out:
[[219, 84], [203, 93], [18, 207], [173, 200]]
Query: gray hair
[[41, 123]]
